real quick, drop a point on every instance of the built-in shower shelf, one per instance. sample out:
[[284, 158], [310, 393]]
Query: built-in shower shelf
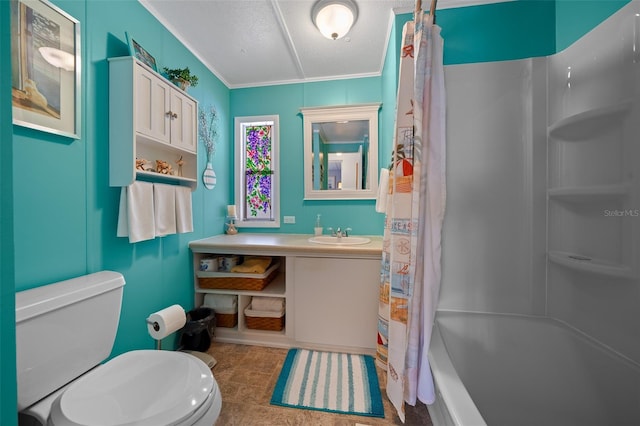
[[589, 264], [586, 194], [584, 124]]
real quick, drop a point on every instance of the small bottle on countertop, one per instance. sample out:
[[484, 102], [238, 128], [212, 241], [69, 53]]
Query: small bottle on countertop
[[318, 228]]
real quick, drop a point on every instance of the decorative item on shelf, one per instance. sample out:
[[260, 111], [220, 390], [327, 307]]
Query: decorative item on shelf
[[163, 167], [140, 53], [181, 77], [142, 164], [208, 131], [180, 163], [231, 226], [231, 217]]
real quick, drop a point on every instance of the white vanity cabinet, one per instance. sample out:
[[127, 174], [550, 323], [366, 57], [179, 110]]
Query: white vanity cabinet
[[276, 288], [149, 118], [336, 301], [330, 292]]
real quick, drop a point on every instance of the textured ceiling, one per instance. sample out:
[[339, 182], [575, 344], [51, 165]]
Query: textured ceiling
[[262, 42], [249, 43]]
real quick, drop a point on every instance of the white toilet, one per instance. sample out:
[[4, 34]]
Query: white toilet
[[64, 330]]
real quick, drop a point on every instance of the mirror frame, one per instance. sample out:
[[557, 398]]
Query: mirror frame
[[311, 115]]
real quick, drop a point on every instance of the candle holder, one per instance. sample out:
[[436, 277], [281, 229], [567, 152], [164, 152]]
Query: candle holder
[[231, 225]]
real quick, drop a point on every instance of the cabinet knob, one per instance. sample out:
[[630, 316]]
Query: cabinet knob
[[171, 114]]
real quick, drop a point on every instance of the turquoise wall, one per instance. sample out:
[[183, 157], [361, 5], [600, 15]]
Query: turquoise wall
[[498, 32], [58, 214], [575, 18], [65, 213], [286, 101], [7, 299]]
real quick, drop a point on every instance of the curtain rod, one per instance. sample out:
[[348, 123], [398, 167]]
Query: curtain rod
[[432, 9]]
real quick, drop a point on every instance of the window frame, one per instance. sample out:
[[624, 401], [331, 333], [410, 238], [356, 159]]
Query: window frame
[[241, 123]]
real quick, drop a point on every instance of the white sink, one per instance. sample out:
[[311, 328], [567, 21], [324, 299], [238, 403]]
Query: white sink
[[342, 241]]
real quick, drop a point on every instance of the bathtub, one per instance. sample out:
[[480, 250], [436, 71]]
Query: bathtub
[[493, 369]]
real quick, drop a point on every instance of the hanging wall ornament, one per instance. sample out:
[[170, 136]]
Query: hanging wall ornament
[[208, 131], [209, 176]]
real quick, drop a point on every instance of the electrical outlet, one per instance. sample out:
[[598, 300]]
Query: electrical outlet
[[289, 219]]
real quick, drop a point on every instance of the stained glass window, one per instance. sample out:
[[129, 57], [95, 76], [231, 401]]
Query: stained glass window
[[258, 171], [257, 180]]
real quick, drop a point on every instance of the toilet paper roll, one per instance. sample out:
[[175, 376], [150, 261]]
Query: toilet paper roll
[[162, 323]]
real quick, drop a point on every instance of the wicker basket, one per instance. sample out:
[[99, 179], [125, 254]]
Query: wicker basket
[[226, 320], [237, 281], [262, 320]]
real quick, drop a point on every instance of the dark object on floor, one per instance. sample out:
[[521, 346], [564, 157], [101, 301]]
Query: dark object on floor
[[198, 331]]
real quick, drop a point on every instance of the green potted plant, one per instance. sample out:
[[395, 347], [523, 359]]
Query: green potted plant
[[181, 77]]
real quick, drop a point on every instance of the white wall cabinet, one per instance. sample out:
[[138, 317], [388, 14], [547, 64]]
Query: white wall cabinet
[[184, 122], [153, 105], [152, 119]]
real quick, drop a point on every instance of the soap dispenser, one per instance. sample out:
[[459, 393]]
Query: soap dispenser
[[318, 228]]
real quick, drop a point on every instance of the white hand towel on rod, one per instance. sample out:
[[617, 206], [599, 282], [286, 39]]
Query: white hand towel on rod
[[184, 216], [136, 213], [164, 204], [383, 190]]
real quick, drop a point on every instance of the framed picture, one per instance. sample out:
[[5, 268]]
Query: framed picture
[[45, 68], [140, 54]]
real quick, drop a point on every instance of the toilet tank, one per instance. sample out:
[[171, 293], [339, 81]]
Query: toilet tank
[[63, 330]]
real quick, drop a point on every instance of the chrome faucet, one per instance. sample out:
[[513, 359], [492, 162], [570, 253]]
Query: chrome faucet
[[339, 233]]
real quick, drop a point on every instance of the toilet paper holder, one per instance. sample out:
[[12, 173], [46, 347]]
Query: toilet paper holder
[[153, 324], [156, 327], [164, 322]]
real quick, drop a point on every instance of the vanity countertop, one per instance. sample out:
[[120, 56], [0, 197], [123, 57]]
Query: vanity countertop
[[284, 245]]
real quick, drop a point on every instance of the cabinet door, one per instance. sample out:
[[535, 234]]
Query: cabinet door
[[152, 105], [336, 301], [183, 121]]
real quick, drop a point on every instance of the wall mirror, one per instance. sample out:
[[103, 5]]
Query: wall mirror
[[341, 152]]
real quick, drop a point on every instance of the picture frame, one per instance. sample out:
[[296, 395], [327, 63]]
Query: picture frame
[[138, 52], [45, 68]]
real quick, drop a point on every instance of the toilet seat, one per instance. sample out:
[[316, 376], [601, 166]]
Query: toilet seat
[[145, 388]]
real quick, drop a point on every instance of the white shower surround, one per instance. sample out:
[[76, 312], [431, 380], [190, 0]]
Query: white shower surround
[[514, 193]]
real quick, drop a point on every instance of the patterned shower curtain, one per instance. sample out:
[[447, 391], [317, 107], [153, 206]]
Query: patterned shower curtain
[[411, 267]]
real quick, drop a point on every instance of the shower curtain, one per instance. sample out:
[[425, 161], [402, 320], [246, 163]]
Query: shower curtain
[[411, 267]]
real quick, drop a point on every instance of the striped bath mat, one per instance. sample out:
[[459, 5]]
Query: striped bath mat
[[328, 381]]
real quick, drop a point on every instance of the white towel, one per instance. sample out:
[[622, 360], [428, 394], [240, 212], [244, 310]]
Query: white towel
[[220, 302], [136, 213], [184, 216], [271, 304], [164, 204], [383, 190]]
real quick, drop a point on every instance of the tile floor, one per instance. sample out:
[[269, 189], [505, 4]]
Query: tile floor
[[247, 375]]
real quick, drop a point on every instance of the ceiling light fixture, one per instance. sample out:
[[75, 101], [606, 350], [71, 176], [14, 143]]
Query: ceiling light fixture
[[334, 18]]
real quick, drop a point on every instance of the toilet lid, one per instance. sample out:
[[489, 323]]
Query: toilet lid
[[140, 387]]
